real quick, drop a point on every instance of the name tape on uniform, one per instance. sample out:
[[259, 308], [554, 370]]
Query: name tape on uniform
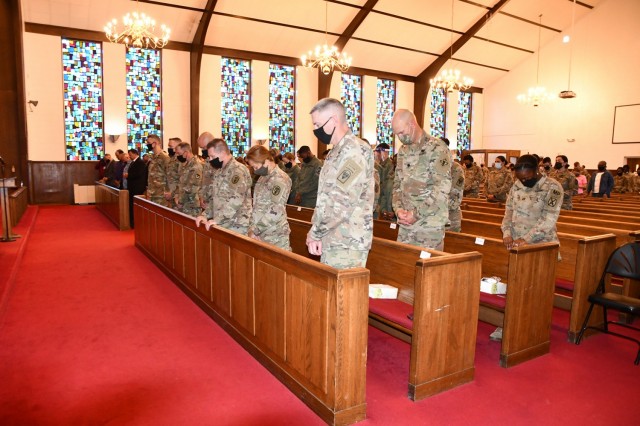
[[425, 255], [479, 241], [393, 226]]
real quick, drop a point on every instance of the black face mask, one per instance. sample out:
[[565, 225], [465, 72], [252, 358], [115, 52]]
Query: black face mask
[[171, 152], [557, 166], [323, 136], [205, 154], [602, 168], [619, 173], [150, 147], [547, 168], [306, 159], [468, 165], [288, 165], [181, 159], [530, 183], [216, 163], [262, 171]]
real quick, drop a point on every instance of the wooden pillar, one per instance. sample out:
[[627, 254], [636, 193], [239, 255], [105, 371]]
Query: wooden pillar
[[12, 92]]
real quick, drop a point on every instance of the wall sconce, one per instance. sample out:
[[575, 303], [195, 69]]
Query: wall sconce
[[30, 103], [114, 138]]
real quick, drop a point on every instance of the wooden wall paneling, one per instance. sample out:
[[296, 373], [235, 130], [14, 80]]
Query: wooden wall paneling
[[203, 265], [242, 290], [160, 238], [307, 317], [168, 243], [53, 180], [18, 202], [269, 305], [178, 250], [138, 209], [190, 275], [221, 292]]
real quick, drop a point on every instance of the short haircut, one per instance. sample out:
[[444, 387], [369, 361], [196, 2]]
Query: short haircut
[[154, 136], [218, 145], [564, 158], [332, 104], [289, 156], [259, 154], [184, 146], [133, 151], [178, 140], [468, 157], [119, 151], [546, 160], [304, 149], [527, 162], [382, 147], [501, 158], [445, 140]]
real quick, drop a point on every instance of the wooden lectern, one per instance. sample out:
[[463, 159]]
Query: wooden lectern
[[5, 185]]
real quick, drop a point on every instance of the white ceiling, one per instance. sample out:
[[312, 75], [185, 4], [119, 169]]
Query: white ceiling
[[383, 42]]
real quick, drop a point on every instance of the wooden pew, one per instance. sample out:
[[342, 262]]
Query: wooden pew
[[304, 321], [577, 274], [301, 213], [525, 312], [442, 291], [18, 202], [114, 204], [603, 208]]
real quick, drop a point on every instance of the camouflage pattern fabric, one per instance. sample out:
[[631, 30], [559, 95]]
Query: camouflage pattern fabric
[[229, 204], [294, 174], [343, 217], [455, 197], [618, 184], [532, 213], [189, 187], [308, 185], [387, 172], [472, 179], [376, 192], [173, 178], [269, 216], [498, 183], [422, 184], [158, 178], [207, 180], [569, 184]]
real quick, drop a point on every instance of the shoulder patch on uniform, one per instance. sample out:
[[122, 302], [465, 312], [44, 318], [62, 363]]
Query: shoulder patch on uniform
[[276, 190], [235, 179], [348, 173], [553, 201]]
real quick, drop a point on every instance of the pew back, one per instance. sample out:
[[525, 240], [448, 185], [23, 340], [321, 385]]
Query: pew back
[[114, 204]]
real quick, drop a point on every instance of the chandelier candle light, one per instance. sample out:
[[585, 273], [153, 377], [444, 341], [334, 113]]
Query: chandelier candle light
[[451, 79], [138, 31], [326, 58], [538, 94]]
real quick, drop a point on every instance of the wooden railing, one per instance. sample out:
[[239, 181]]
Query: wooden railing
[[18, 202], [114, 204], [304, 321]]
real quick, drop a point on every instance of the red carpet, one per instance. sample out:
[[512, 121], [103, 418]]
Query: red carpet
[[93, 334]]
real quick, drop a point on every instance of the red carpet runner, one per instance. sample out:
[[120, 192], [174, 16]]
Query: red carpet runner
[[92, 333]]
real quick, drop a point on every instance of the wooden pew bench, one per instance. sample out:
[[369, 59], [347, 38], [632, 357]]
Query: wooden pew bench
[[114, 204], [577, 274], [304, 321], [441, 291]]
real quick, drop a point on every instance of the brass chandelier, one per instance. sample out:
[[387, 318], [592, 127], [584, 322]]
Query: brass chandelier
[[138, 30], [326, 58]]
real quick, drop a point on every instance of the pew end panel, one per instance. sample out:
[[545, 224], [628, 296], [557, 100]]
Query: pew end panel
[[114, 204], [304, 321]]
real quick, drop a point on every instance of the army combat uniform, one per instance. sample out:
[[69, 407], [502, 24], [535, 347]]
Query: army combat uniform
[[472, 179], [455, 197], [229, 204], [531, 213], [173, 178], [158, 178], [207, 179], [387, 172], [569, 184], [343, 217], [422, 185], [307, 185], [376, 191], [293, 172], [498, 183], [187, 194], [269, 216]]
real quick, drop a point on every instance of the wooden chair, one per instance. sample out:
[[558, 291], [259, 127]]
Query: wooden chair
[[624, 262]]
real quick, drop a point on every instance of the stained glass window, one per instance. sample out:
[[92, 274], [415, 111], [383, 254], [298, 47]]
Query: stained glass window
[[144, 96], [282, 107], [352, 101], [464, 122], [83, 110], [236, 102], [438, 112], [385, 106]]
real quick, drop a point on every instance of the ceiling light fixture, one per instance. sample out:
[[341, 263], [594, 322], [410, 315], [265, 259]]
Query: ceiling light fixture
[[326, 58], [451, 79], [568, 94], [536, 95], [138, 31]]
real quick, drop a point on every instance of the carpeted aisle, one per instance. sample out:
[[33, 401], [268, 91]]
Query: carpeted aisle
[[93, 334]]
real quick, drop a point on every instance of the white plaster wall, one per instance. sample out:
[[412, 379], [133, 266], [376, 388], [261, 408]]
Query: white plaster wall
[[369, 108], [260, 102], [404, 99], [114, 71], [306, 98], [176, 121], [210, 96], [604, 74]]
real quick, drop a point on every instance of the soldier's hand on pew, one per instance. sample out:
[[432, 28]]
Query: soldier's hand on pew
[[406, 217], [298, 199], [167, 196], [508, 242], [314, 246], [200, 219], [209, 224]]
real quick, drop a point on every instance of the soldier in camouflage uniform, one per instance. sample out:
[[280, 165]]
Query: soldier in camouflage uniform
[[173, 171], [293, 171], [158, 179], [499, 181], [307, 188], [207, 169], [422, 183], [269, 217], [532, 208], [229, 203], [342, 223], [472, 177], [455, 197], [187, 197], [566, 179], [376, 192], [387, 171]]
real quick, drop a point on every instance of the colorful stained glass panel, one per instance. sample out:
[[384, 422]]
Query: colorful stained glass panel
[[352, 101], [83, 109], [464, 122], [282, 107], [235, 104], [385, 106], [438, 112]]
